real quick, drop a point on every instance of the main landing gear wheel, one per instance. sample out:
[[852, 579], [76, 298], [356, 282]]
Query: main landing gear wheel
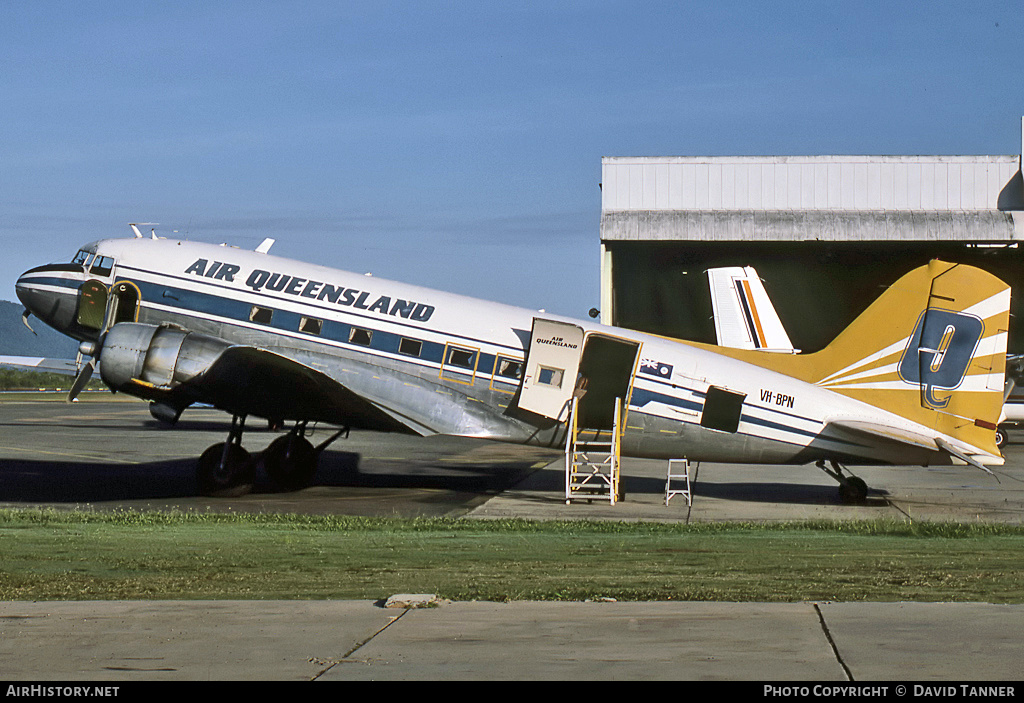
[[852, 489], [291, 462], [226, 470]]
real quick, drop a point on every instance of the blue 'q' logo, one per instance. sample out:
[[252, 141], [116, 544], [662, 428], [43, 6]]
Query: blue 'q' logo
[[940, 351]]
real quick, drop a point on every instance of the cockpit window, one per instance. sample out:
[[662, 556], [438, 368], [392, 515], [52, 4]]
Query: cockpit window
[[102, 266], [82, 257]]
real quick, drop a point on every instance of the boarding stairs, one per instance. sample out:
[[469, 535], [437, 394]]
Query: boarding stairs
[[592, 458]]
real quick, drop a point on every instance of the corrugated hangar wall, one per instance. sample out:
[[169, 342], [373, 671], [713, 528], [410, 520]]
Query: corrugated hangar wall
[[826, 233]]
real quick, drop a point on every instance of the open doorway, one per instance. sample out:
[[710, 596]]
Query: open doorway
[[123, 304], [605, 373]]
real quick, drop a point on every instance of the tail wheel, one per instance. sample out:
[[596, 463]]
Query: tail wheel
[[291, 462], [1001, 437], [225, 471], [853, 491]]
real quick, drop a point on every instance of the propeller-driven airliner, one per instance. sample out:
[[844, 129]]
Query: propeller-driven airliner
[[916, 379]]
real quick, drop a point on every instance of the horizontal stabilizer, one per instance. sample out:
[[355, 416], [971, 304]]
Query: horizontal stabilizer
[[882, 435], [953, 451]]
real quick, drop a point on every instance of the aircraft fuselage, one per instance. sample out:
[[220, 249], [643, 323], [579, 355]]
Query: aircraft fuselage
[[444, 363]]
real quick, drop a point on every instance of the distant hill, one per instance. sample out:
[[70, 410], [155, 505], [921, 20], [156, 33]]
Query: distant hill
[[15, 339]]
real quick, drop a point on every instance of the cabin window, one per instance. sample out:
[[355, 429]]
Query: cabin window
[[360, 336], [260, 315], [311, 325], [459, 364], [463, 358], [102, 266], [508, 368], [722, 409], [410, 347], [506, 371], [549, 376]]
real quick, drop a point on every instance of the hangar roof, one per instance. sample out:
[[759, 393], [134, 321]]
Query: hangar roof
[[847, 198]]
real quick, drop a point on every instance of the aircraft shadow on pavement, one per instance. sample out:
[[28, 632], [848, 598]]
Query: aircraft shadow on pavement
[[195, 425], [64, 481], [793, 493], [42, 481], [746, 491], [347, 469]]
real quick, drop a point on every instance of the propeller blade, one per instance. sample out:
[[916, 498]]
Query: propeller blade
[[83, 377]]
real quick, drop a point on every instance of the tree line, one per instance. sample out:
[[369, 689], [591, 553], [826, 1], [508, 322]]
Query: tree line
[[20, 380]]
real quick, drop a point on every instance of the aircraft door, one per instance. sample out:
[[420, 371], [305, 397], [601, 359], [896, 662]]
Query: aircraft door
[[551, 367], [92, 304]]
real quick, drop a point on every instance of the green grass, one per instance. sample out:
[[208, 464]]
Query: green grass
[[47, 554]]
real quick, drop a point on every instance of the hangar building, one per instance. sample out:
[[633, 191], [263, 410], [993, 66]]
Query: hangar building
[[826, 233]]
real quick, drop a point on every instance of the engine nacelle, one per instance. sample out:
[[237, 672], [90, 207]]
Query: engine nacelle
[[161, 357]]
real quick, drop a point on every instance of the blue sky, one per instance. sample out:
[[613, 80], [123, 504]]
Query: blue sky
[[456, 145]]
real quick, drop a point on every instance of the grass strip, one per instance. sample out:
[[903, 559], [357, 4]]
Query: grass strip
[[80, 555]]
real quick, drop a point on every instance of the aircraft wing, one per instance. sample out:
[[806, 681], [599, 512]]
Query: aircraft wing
[[36, 363], [250, 381], [175, 367], [260, 382], [885, 437]]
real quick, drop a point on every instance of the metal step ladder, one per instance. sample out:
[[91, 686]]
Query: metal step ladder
[[592, 458], [676, 479]]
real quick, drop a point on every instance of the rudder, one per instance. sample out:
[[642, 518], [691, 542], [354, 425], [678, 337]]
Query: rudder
[[932, 349]]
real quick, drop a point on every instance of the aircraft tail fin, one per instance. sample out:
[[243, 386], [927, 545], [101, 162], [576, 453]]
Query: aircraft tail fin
[[931, 349], [744, 315]]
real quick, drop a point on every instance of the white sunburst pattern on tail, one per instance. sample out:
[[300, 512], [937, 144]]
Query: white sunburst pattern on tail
[[993, 343], [881, 363], [881, 369]]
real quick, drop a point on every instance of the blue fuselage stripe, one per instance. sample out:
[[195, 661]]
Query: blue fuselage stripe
[[192, 302], [642, 397]]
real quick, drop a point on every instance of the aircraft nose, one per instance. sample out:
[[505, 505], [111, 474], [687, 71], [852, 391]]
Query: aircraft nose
[[27, 293], [47, 296]]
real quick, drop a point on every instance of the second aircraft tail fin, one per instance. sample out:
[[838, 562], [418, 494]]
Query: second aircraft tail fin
[[744, 315]]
